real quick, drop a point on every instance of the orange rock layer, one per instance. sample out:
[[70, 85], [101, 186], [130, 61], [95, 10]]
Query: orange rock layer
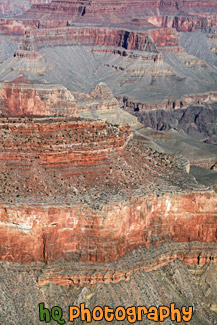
[[81, 233]]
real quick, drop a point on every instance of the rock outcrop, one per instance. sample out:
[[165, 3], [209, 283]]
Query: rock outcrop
[[16, 7], [169, 104], [22, 97], [196, 286], [36, 39], [58, 9], [101, 98], [181, 24], [85, 191], [140, 260]]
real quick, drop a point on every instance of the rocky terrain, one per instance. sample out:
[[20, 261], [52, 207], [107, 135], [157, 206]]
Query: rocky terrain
[[185, 285], [25, 98], [108, 157], [17, 7]]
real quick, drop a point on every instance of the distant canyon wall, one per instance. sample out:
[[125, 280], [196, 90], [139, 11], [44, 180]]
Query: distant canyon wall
[[181, 24], [17, 7], [35, 39], [24, 98], [82, 8]]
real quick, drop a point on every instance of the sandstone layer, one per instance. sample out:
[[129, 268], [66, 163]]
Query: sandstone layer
[[25, 98], [97, 8], [35, 39], [65, 185], [78, 190]]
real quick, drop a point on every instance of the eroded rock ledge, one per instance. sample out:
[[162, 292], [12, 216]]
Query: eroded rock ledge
[[81, 274], [85, 190], [23, 97]]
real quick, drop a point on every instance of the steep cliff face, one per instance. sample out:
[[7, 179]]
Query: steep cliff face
[[195, 119], [183, 102], [181, 24], [80, 233], [35, 39], [185, 16], [18, 26], [139, 260], [84, 190], [97, 8], [25, 98]]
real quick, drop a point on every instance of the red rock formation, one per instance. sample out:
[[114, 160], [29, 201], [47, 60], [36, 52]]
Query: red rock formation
[[169, 14], [13, 26], [27, 54], [181, 24], [80, 190], [18, 26], [164, 37], [25, 98], [79, 142], [47, 233], [36, 39], [71, 8]]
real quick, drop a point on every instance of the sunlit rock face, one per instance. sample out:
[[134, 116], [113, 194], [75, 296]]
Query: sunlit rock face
[[85, 190], [22, 97]]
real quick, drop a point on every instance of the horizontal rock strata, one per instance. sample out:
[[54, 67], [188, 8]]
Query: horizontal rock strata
[[85, 8], [22, 97], [83, 190], [35, 39], [65, 273]]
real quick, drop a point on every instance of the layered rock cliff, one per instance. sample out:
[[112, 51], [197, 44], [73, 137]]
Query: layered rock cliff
[[103, 212], [96, 8], [25, 98], [35, 39], [85, 191]]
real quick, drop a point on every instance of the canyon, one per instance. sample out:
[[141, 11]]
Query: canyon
[[23, 97], [17, 7], [108, 155]]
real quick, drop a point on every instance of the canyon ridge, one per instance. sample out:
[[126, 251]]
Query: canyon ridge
[[108, 156]]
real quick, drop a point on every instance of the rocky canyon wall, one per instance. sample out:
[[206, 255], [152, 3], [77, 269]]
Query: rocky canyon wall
[[181, 24], [25, 98], [86, 8], [85, 190], [35, 39], [80, 233]]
